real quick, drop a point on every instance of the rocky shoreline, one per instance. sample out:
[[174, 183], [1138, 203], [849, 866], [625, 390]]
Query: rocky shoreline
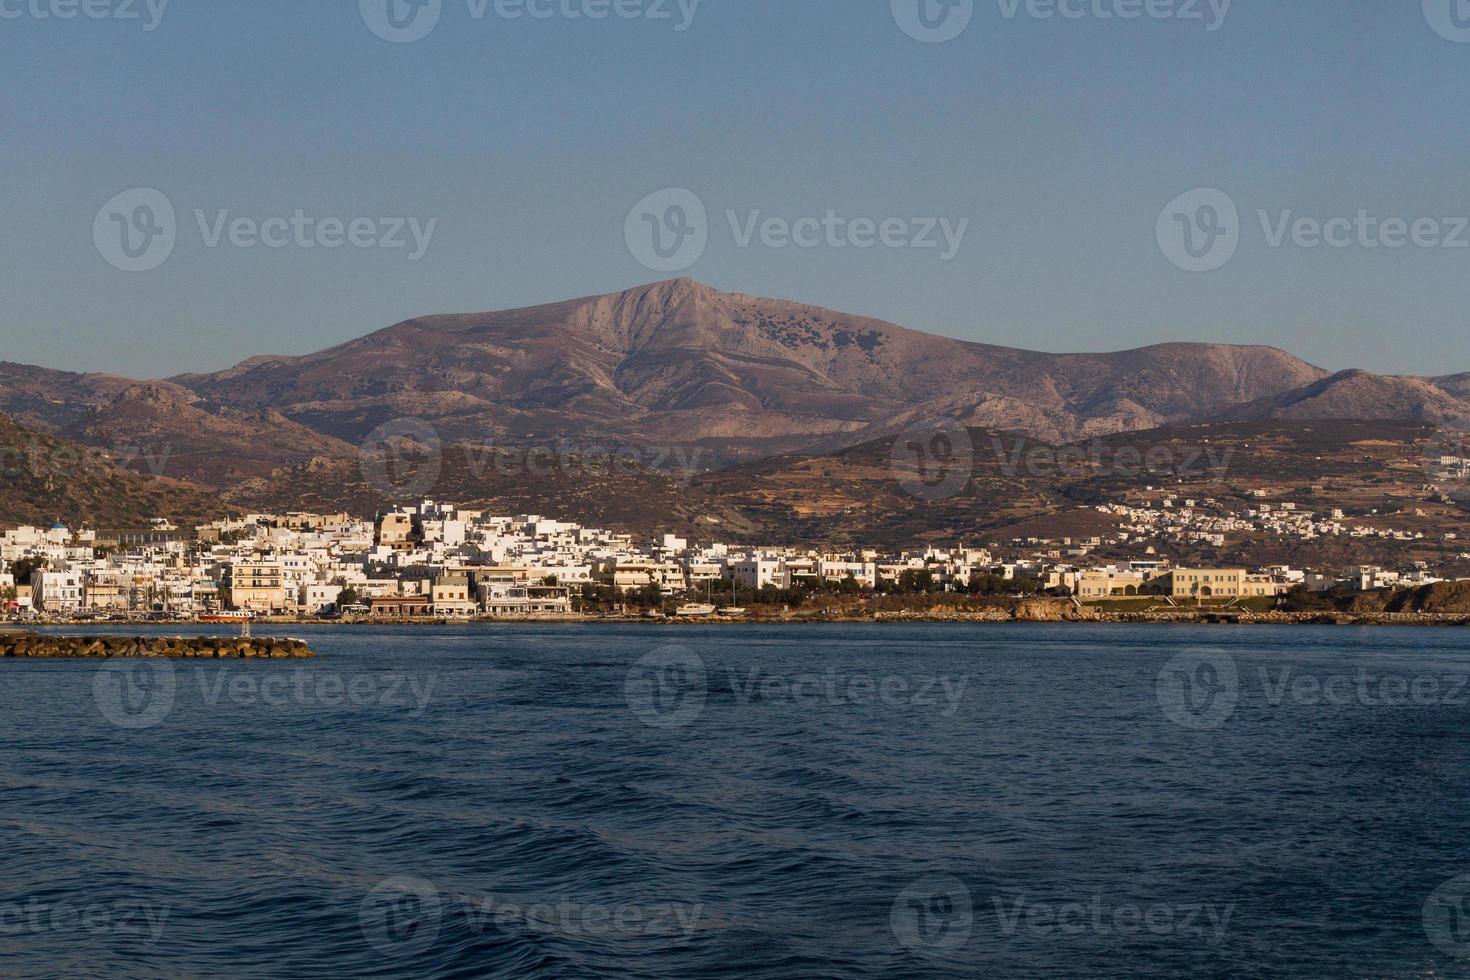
[[40, 646]]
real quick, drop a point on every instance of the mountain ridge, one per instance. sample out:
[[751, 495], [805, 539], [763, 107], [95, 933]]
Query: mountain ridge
[[677, 363]]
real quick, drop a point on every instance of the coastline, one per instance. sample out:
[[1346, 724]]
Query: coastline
[[989, 617]]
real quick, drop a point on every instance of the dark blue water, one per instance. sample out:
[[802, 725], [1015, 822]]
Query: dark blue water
[[917, 801]]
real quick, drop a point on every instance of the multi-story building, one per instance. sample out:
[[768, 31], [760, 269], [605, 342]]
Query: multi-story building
[[1205, 583], [257, 586], [56, 592]]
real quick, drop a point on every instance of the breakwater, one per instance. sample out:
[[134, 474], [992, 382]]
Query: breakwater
[[40, 645]]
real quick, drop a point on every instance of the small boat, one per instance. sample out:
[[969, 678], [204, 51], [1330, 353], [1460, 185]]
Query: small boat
[[733, 611], [695, 609], [227, 617]]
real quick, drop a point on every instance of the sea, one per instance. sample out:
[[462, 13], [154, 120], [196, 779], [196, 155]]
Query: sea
[[843, 801]]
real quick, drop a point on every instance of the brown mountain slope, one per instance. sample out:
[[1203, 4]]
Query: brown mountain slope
[[1358, 395], [1011, 487], [162, 430], [45, 479], [679, 363]]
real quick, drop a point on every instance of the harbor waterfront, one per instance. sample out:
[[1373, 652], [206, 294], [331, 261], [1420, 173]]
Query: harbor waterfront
[[852, 801]]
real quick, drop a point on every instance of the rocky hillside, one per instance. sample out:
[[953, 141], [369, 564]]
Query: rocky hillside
[[45, 479], [679, 363]]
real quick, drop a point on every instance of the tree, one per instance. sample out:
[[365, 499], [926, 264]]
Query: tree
[[22, 568], [348, 597], [916, 580]]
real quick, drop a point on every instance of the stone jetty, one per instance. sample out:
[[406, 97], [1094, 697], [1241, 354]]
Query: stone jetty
[[43, 646]]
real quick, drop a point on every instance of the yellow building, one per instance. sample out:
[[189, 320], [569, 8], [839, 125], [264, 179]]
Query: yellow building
[[1101, 583], [257, 586], [1207, 583]]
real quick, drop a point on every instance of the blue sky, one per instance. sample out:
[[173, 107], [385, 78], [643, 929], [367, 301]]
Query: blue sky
[[523, 144]]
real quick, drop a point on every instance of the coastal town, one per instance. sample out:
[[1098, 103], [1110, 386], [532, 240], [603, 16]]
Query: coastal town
[[437, 561]]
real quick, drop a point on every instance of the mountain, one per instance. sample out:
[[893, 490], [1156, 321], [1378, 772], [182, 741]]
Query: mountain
[[1360, 395], [164, 431], [672, 368], [45, 479], [678, 363]]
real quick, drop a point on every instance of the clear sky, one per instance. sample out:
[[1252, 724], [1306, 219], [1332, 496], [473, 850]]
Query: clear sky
[[528, 141]]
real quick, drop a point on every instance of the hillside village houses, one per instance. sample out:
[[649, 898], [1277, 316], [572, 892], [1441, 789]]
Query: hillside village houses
[[441, 561]]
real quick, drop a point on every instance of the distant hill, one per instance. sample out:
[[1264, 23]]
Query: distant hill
[[45, 479], [680, 363], [1360, 395]]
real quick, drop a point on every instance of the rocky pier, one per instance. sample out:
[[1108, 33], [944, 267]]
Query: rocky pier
[[43, 646]]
